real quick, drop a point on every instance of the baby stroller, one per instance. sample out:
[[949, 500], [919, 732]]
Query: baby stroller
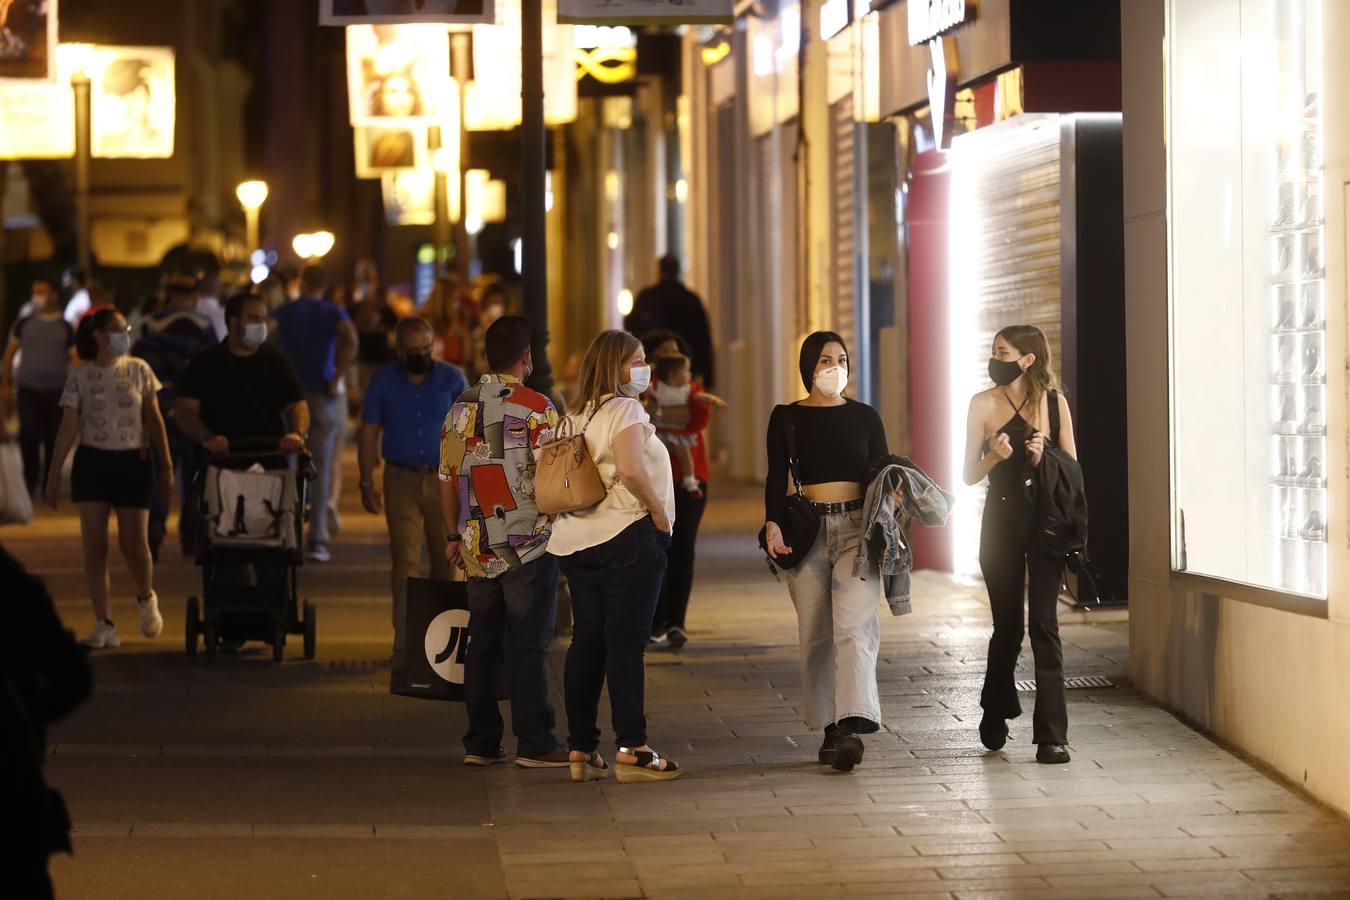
[[249, 549]]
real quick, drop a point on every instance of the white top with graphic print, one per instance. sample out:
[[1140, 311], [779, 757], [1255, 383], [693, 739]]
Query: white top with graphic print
[[111, 402]]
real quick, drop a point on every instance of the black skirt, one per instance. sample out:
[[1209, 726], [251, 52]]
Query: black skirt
[[124, 479]]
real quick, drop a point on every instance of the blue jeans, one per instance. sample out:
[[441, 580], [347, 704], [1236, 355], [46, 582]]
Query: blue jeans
[[615, 588], [325, 424], [511, 620]]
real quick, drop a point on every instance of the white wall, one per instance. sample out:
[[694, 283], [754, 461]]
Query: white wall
[[1269, 681]]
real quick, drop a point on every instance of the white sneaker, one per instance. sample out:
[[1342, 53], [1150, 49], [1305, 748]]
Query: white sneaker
[[103, 636], [319, 553], [152, 623]]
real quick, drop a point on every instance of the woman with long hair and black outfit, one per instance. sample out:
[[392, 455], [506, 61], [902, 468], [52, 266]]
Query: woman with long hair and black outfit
[[1007, 431], [614, 556], [112, 413], [837, 442]]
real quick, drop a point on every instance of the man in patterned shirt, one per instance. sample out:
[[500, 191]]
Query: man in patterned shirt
[[500, 539]]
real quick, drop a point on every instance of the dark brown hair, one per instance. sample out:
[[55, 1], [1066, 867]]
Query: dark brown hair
[[668, 364]]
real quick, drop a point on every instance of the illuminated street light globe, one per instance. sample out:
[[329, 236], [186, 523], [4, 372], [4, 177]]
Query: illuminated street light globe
[[303, 245], [252, 194], [320, 243]]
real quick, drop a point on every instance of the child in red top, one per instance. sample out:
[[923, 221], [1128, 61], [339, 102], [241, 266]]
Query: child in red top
[[672, 390]]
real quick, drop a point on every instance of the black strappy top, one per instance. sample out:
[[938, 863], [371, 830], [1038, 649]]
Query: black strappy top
[[1008, 477]]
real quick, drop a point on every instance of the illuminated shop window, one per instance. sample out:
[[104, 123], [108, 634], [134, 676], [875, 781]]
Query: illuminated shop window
[[1248, 291]]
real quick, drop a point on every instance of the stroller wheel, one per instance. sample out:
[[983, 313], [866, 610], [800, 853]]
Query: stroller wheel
[[212, 635], [311, 630], [194, 625]]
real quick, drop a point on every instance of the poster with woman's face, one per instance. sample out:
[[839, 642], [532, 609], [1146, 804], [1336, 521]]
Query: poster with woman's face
[[380, 150], [397, 74], [133, 102], [409, 197], [28, 39]]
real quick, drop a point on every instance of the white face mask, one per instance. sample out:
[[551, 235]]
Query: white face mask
[[119, 344], [832, 381], [669, 395], [639, 379], [255, 335]]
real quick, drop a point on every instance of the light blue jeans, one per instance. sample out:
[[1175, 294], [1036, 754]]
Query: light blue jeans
[[837, 622], [325, 424]]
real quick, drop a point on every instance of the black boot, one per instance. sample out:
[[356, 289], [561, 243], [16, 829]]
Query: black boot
[[826, 754], [993, 731], [848, 752], [1052, 754]]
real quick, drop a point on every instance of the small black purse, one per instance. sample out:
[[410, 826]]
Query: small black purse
[[801, 522]]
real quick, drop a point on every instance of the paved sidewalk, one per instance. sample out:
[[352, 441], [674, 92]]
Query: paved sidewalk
[[246, 779]]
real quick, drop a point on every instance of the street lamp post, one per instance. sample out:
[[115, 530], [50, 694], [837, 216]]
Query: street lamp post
[[534, 255], [79, 83], [252, 195]]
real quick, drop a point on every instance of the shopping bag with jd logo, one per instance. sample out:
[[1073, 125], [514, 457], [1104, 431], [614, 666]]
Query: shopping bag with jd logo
[[431, 641]]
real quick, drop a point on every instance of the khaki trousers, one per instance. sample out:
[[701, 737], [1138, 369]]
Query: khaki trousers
[[412, 509]]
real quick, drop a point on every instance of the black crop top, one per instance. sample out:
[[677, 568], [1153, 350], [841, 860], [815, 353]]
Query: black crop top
[[834, 443]]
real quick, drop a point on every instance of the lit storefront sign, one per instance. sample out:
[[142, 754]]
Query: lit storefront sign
[[929, 19], [399, 12], [607, 54], [397, 74], [834, 18]]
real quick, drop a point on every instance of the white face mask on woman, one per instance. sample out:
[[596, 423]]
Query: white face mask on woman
[[639, 379], [832, 381]]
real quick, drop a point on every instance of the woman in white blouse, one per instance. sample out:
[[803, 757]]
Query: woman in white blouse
[[614, 556], [112, 413]]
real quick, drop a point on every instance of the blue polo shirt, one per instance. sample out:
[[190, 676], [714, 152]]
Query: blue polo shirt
[[412, 414], [309, 337]]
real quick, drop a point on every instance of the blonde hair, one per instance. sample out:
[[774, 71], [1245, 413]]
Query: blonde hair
[[602, 367], [1041, 374]]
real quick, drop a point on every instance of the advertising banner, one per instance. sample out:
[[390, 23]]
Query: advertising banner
[[28, 39], [133, 102], [404, 12], [492, 101], [380, 149], [397, 74], [646, 12], [409, 196], [132, 105]]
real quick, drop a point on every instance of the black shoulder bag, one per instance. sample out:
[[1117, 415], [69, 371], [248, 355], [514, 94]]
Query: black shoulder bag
[[801, 522]]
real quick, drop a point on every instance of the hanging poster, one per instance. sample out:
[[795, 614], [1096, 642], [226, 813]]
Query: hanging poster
[[402, 12], [646, 12], [493, 103], [397, 74], [409, 197], [132, 102], [28, 39], [380, 149], [39, 120]]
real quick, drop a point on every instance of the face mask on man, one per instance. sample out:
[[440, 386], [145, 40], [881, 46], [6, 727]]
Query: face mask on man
[[1004, 373], [255, 335], [119, 344], [639, 379], [832, 381], [417, 363]]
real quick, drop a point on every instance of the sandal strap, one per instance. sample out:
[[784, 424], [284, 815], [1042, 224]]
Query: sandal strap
[[650, 759]]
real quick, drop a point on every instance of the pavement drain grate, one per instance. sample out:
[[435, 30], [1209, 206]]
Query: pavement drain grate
[[1077, 682]]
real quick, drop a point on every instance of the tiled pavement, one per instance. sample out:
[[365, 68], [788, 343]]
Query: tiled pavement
[[308, 780]]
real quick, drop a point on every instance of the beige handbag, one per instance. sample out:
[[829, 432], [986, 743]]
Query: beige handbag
[[566, 479]]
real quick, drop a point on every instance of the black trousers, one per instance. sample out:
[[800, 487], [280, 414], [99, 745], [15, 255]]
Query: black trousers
[[39, 421], [511, 621], [1014, 571], [679, 581]]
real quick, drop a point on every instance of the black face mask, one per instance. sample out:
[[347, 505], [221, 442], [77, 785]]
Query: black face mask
[[417, 363], [1004, 373]]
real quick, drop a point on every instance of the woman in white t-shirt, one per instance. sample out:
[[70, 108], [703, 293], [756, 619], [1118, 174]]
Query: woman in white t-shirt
[[112, 413], [614, 556]]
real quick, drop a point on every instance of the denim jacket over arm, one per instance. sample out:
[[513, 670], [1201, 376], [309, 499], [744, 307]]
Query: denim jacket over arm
[[884, 547]]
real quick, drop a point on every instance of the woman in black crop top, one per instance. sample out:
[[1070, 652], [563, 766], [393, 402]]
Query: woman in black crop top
[[837, 441], [1006, 434]]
